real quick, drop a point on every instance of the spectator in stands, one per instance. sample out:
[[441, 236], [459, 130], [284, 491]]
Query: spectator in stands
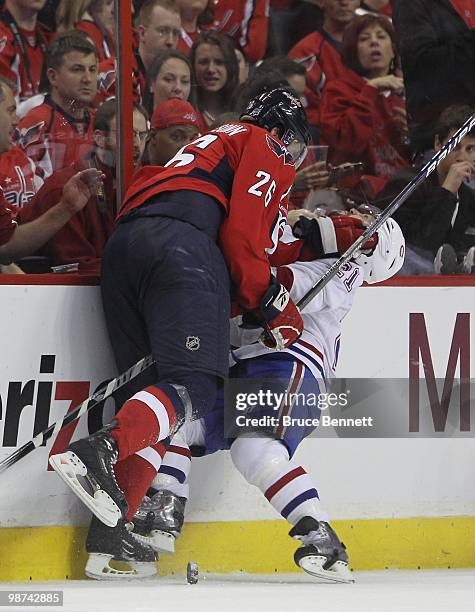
[[158, 27], [193, 14], [442, 210], [23, 43], [290, 21], [363, 117], [293, 72], [59, 132], [320, 51], [18, 179], [170, 77], [94, 17], [246, 22], [83, 238], [436, 41], [216, 72], [174, 125]]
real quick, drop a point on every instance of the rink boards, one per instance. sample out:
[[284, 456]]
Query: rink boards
[[396, 502]]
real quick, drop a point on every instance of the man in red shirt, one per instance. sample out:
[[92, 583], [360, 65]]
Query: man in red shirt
[[158, 29], [18, 179], [83, 238], [23, 43], [320, 52], [59, 132], [247, 21], [186, 232]]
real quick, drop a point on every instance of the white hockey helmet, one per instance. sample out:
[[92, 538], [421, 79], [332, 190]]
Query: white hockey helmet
[[387, 257]]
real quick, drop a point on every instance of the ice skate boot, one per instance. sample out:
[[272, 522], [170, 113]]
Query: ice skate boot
[[159, 520], [321, 554], [88, 468], [105, 544]]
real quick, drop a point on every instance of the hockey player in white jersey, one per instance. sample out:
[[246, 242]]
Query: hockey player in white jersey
[[265, 458]]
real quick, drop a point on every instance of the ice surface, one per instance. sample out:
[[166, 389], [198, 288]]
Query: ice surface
[[385, 591]]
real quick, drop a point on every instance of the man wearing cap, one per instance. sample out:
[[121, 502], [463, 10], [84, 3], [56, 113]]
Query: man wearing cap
[[174, 125]]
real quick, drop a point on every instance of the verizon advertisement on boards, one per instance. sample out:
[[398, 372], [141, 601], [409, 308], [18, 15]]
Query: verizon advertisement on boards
[[55, 353]]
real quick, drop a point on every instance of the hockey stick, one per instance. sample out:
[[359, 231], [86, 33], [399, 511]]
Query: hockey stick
[[352, 251], [88, 404]]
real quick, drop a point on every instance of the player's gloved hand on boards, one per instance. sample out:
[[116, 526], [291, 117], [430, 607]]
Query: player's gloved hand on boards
[[280, 317], [331, 236]]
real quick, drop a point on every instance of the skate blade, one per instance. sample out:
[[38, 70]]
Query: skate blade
[[98, 567], [68, 466], [160, 541], [338, 572]]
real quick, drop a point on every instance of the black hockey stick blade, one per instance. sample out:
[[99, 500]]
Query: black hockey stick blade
[[89, 403], [426, 171]]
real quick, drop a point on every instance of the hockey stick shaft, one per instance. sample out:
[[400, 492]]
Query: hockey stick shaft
[[88, 404], [426, 171]]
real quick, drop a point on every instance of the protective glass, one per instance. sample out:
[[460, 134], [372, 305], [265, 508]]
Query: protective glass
[[298, 150]]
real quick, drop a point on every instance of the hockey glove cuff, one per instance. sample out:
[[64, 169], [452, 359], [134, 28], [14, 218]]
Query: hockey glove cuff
[[282, 321], [331, 236]]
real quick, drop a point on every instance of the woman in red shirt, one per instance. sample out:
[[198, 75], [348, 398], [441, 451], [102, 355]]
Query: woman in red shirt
[[363, 116]]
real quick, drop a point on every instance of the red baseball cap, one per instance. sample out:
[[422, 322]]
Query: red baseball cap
[[174, 112]]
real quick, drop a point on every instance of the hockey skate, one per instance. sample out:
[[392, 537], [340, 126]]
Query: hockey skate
[[87, 468], [159, 520], [322, 554], [105, 544]]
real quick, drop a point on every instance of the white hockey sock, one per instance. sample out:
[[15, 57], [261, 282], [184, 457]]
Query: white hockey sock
[[264, 462]]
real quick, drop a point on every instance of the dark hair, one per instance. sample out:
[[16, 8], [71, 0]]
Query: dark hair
[[226, 45], [65, 43], [452, 118], [286, 66], [108, 110], [349, 53], [259, 83]]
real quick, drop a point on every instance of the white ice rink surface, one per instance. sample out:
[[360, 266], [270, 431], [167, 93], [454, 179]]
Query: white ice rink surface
[[386, 591]]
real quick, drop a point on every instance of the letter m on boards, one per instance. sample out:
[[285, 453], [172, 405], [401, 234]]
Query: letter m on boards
[[420, 354]]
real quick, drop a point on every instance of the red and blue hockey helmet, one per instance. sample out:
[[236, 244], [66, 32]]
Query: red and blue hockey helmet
[[280, 107]]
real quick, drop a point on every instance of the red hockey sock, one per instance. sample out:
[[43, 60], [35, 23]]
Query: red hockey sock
[[144, 419], [135, 474]]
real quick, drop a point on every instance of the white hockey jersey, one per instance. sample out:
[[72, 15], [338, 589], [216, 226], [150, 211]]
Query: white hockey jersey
[[319, 345]]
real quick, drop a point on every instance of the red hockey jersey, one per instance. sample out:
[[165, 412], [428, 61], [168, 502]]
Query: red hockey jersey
[[21, 55], [247, 21], [53, 139], [8, 222], [107, 80], [250, 174], [103, 42], [323, 63], [18, 179], [357, 123]]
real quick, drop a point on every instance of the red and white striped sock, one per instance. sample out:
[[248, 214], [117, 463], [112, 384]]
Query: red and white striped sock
[[145, 419]]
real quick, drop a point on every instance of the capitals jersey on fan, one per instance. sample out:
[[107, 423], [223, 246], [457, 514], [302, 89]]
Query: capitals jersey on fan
[[247, 21], [8, 222], [53, 139], [319, 344], [21, 55], [249, 173], [18, 179]]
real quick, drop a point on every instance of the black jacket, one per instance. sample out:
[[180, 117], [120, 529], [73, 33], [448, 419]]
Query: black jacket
[[425, 218], [437, 50]]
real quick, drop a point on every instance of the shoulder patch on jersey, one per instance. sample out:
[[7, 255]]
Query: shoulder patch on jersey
[[279, 150], [308, 62], [26, 136], [106, 79], [3, 43]]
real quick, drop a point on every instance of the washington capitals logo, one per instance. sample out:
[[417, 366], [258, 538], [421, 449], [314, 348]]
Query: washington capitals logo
[[279, 150], [106, 79], [26, 136]]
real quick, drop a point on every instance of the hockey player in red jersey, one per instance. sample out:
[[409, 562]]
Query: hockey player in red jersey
[[187, 233], [59, 132]]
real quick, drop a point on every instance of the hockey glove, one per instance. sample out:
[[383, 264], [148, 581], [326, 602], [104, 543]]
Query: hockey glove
[[280, 318], [331, 236]]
